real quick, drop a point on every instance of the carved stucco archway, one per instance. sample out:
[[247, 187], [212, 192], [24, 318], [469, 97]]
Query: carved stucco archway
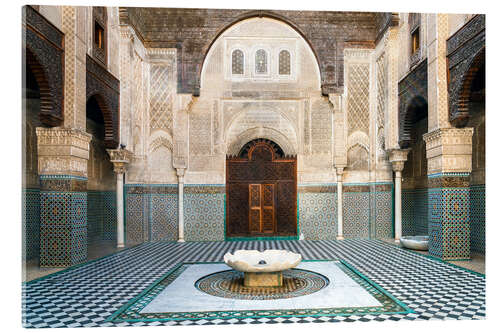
[[235, 146], [240, 19], [103, 104]]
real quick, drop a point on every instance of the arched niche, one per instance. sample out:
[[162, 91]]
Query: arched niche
[[251, 35]]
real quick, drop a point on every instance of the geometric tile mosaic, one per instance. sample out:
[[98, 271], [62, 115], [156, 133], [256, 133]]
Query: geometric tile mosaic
[[356, 213], [477, 218], [101, 215], [449, 222], [318, 215], [383, 214], [435, 222], [31, 223], [136, 218], [414, 212], [163, 217], [408, 227], [88, 295], [204, 216], [63, 228]]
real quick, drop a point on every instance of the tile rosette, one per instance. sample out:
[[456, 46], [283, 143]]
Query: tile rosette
[[229, 284]]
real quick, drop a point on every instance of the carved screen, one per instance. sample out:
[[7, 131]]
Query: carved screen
[[261, 192]]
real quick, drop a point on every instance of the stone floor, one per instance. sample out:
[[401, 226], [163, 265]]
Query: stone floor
[[89, 295], [31, 270], [476, 263]]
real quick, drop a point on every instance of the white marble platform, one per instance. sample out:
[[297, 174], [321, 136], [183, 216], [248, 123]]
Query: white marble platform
[[182, 296]]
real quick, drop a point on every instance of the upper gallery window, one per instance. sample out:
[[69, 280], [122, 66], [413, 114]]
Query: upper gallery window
[[237, 66], [284, 63], [98, 35], [415, 40], [261, 62]]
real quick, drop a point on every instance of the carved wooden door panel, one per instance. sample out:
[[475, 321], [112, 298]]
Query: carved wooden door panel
[[268, 224], [261, 216], [261, 192], [255, 211]]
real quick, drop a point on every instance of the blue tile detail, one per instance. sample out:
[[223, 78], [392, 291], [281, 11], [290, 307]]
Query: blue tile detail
[[318, 215], [204, 216], [477, 218], [31, 223]]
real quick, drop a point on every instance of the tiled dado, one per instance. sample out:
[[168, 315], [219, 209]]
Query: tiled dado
[[101, 215], [449, 216], [31, 223], [63, 220], [414, 212], [317, 211], [367, 211], [204, 215], [477, 198], [151, 213]]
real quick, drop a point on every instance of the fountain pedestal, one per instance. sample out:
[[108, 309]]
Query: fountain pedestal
[[274, 279], [262, 269]]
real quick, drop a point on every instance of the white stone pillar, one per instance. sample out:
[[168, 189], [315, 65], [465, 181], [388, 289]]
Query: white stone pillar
[[398, 157], [340, 199], [397, 189], [120, 158], [120, 228], [180, 175]]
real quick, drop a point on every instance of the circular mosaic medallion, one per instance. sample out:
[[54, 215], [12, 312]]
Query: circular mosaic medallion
[[229, 284]]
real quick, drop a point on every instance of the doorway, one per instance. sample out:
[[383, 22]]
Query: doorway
[[261, 195]]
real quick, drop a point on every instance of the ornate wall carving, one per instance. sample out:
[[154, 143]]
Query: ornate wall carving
[[326, 32], [465, 53], [43, 51], [106, 88], [412, 89]]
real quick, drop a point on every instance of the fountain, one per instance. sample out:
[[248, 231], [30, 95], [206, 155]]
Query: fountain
[[262, 269]]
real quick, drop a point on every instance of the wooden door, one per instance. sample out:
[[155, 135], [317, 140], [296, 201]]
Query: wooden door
[[261, 215]]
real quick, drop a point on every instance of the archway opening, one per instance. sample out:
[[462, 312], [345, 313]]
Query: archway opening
[[261, 192], [101, 193], [415, 217]]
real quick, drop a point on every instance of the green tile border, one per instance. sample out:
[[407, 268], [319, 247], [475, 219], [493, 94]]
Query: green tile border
[[387, 301]]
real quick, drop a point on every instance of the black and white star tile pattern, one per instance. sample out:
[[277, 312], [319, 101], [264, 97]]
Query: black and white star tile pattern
[[88, 294]]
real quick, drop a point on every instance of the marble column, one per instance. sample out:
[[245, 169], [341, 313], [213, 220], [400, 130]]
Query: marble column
[[340, 199], [120, 159], [180, 176], [398, 157]]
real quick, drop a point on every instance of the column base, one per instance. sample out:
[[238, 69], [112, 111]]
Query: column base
[[120, 246], [397, 241], [340, 238], [181, 241]]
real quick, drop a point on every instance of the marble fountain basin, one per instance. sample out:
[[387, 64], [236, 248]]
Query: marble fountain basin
[[420, 243], [262, 269]]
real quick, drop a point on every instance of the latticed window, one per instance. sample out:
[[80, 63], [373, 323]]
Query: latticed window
[[237, 62], [261, 62], [284, 63]]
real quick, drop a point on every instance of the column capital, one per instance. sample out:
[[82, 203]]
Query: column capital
[[339, 168], [62, 151], [398, 157], [120, 158], [180, 173], [449, 150]]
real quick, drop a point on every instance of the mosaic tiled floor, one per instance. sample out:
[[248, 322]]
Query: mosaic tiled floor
[[88, 295]]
